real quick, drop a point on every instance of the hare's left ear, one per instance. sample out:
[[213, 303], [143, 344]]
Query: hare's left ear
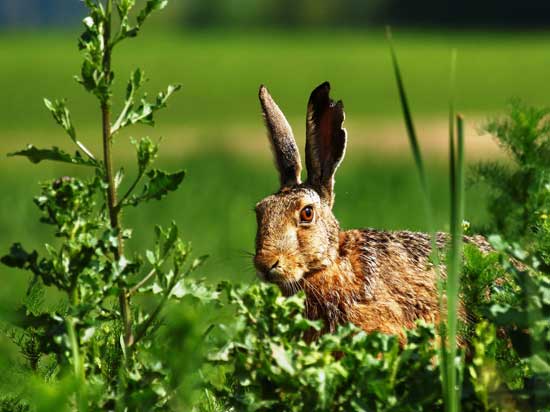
[[283, 145], [325, 141]]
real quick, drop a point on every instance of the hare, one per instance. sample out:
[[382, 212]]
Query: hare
[[380, 281]]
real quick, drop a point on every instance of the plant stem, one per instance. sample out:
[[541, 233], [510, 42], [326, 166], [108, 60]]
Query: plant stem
[[142, 282], [114, 212], [77, 365]]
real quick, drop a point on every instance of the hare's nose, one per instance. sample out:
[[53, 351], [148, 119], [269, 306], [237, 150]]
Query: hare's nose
[[275, 271]]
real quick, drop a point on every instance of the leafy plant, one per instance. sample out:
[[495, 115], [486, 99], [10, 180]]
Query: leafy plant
[[103, 342], [519, 201], [266, 364]]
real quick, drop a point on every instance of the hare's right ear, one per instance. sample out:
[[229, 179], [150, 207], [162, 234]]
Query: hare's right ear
[[325, 141], [283, 145]]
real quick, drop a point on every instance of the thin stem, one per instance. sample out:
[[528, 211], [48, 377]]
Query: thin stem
[[142, 282], [154, 315], [147, 324], [114, 214], [77, 365], [129, 191], [122, 115]]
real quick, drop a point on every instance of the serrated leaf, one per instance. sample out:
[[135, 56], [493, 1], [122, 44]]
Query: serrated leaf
[[143, 113], [62, 116], [160, 184], [55, 154]]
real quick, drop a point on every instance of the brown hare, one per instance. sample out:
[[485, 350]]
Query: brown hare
[[378, 280]]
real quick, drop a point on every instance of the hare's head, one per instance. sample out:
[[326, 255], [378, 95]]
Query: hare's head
[[297, 232]]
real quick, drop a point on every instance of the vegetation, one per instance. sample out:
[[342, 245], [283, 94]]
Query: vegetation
[[503, 364], [110, 325], [96, 347], [519, 199]]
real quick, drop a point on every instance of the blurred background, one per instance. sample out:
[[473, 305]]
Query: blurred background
[[221, 51]]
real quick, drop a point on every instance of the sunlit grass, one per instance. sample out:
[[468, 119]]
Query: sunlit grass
[[451, 376], [220, 73]]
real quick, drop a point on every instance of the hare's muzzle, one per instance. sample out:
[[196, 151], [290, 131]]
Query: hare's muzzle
[[268, 267]]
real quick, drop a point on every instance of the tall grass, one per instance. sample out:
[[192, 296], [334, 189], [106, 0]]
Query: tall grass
[[451, 376]]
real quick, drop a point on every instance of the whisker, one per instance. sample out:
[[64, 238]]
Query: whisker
[[247, 253]]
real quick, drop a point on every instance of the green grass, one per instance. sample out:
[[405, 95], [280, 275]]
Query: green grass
[[214, 207], [221, 71]]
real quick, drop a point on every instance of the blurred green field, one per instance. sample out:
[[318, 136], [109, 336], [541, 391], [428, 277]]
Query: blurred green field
[[214, 208], [217, 115], [221, 71]]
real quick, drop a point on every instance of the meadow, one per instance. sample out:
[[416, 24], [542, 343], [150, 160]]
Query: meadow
[[214, 130], [118, 341]]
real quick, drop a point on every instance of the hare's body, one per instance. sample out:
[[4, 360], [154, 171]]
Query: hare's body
[[378, 280]]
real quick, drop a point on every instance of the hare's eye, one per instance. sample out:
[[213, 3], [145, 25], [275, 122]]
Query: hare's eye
[[306, 215]]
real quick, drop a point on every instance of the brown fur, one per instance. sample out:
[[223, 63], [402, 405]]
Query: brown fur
[[378, 280]]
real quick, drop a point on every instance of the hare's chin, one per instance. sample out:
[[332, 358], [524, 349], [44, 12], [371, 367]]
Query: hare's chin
[[288, 288]]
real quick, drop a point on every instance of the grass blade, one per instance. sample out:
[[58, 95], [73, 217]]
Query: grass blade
[[445, 358], [448, 334], [454, 265], [411, 132]]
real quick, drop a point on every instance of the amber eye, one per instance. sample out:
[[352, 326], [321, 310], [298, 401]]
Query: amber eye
[[306, 215]]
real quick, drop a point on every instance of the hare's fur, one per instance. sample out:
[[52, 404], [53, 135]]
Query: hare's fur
[[378, 280]]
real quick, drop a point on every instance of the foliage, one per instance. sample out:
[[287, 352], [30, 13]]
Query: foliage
[[264, 360], [519, 202], [124, 333], [104, 346], [267, 365]]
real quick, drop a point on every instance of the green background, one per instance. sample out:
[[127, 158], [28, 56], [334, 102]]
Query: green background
[[213, 127]]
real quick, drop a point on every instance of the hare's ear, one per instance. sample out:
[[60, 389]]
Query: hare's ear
[[325, 141], [287, 156]]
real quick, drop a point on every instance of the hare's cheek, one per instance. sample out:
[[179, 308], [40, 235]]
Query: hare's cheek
[[287, 240]]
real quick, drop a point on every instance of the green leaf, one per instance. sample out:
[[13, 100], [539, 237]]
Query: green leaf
[[171, 238], [36, 155], [60, 113], [62, 116], [151, 257], [281, 358], [198, 262], [187, 287], [124, 7], [19, 258], [159, 185], [146, 153], [143, 113], [539, 365], [151, 6]]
